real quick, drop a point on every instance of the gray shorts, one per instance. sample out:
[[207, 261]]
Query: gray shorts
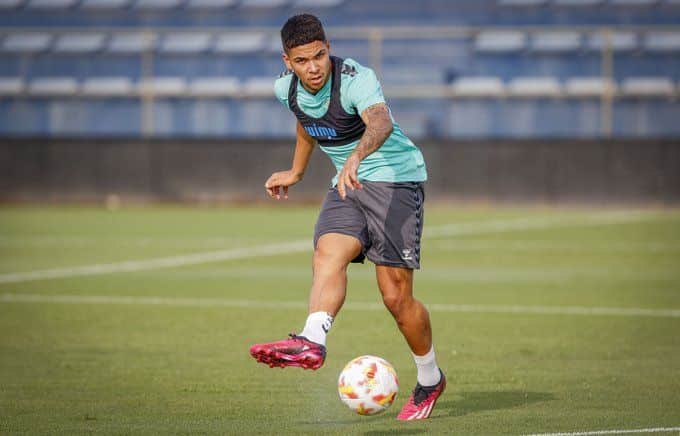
[[387, 218]]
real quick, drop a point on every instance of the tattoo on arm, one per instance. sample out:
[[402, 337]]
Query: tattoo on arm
[[378, 129]]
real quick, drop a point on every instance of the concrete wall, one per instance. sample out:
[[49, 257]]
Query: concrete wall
[[632, 171]]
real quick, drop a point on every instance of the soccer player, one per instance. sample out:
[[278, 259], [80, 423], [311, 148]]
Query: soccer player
[[373, 210]]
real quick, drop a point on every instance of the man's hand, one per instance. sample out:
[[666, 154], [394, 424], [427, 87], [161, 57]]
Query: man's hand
[[348, 176], [378, 128], [280, 181]]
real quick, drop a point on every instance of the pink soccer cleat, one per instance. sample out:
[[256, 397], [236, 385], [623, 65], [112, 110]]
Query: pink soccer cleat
[[422, 401], [296, 351]]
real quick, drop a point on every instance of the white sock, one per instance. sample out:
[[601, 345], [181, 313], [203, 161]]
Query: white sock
[[317, 326], [428, 371]]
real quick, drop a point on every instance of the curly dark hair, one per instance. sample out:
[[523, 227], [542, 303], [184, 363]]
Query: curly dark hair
[[300, 30]]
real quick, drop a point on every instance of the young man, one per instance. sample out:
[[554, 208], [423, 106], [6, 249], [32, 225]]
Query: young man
[[374, 209]]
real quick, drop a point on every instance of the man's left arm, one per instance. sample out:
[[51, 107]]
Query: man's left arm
[[378, 128]]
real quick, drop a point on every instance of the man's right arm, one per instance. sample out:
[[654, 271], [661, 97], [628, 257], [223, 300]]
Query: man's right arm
[[304, 146]]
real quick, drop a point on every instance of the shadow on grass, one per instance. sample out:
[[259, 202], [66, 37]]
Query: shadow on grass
[[473, 402]]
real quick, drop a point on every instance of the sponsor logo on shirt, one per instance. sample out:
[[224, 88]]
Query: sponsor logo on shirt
[[320, 131]]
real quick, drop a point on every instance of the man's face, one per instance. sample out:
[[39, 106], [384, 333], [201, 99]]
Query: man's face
[[311, 63]]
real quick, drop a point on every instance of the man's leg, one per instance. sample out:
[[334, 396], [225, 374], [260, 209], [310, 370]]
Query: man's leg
[[307, 350], [333, 252], [413, 320]]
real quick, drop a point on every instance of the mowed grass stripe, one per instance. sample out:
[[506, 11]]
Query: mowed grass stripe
[[442, 231], [259, 304]]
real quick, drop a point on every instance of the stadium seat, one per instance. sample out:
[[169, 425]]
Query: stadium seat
[[79, 43], [478, 87], [179, 43], [555, 42], [662, 41], [259, 87], [263, 3], [157, 4], [500, 41], [50, 4], [162, 86], [26, 42], [633, 2], [104, 4], [210, 4], [107, 87], [588, 86], [214, 87], [128, 43], [577, 3], [10, 4], [317, 3], [53, 86], [522, 2], [11, 86], [534, 87], [618, 41], [241, 42], [647, 87]]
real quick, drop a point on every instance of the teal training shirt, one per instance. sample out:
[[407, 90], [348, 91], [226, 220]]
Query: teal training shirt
[[397, 160]]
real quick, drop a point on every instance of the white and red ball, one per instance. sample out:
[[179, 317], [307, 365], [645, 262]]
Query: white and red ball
[[368, 385]]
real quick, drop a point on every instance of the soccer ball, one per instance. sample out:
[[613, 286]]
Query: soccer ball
[[368, 385]]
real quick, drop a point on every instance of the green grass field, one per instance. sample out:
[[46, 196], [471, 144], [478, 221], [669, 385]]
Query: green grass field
[[544, 321]]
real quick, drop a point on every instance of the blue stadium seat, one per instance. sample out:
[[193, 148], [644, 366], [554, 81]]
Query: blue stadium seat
[[186, 43], [478, 87], [104, 4], [50, 4], [210, 4], [500, 41], [618, 41], [317, 3], [533, 87], [158, 5], [214, 87], [648, 87], [259, 87], [662, 41], [53, 86], [633, 2], [26, 42], [246, 42], [588, 87], [555, 42], [10, 4], [11, 86], [131, 43], [107, 87], [528, 3], [577, 3], [162, 86], [79, 43], [263, 3]]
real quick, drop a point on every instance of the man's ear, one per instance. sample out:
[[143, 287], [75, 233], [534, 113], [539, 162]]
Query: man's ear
[[286, 60]]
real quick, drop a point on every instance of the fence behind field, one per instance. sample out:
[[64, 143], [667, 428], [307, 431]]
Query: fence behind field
[[592, 171]]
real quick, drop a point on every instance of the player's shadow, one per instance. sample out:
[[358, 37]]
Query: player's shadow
[[473, 402]]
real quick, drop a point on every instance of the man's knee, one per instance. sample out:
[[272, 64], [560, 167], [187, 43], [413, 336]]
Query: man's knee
[[333, 252], [396, 288]]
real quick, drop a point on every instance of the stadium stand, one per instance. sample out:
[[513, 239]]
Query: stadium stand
[[547, 58]]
